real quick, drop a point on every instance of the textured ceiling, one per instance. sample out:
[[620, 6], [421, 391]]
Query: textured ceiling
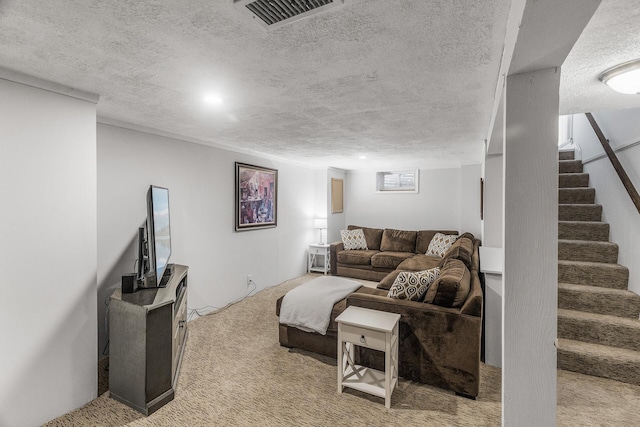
[[611, 38], [404, 83]]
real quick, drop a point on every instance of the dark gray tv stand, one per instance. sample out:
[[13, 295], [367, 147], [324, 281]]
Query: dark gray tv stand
[[147, 336]]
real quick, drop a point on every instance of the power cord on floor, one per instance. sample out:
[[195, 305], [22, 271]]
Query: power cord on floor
[[209, 309]]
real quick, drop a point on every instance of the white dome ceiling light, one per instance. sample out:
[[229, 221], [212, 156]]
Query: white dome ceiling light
[[623, 78]]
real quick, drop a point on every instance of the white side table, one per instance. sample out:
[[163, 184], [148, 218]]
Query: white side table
[[373, 329], [318, 252]]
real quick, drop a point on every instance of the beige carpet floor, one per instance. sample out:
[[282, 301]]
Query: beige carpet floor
[[235, 372]]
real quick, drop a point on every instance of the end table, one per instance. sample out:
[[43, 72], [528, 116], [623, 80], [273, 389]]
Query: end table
[[373, 329], [318, 252]]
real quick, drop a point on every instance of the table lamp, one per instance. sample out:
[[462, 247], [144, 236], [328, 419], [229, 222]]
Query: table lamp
[[320, 223]]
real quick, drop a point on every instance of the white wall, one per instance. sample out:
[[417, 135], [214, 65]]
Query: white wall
[[622, 128], [493, 204], [492, 238], [200, 180], [436, 206], [470, 199], [448, 199], [47, 254]]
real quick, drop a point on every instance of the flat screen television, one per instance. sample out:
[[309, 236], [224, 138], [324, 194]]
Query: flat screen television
[[155, 250]]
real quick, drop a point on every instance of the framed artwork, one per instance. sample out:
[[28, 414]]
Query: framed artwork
[[337, 197], [256, 197]]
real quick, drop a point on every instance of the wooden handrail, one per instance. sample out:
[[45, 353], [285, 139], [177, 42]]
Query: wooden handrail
[[628, 185]]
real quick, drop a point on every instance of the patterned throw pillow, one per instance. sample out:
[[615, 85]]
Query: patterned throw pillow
[[353, 239], [412, 286], [440, 243]]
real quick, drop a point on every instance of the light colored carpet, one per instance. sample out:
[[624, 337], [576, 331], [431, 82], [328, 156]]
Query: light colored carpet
[[235, 372]]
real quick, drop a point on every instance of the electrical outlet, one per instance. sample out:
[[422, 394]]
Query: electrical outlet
[[249, 279]]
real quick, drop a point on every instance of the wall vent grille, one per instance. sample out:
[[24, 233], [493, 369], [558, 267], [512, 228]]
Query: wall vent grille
[[275, 13]]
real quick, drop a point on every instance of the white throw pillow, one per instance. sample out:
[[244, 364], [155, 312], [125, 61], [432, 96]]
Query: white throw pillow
[[440, 243], [353, 239], [413, 286]]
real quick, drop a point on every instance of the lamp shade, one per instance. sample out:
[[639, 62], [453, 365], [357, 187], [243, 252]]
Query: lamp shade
[[320, 223], [623, 78]]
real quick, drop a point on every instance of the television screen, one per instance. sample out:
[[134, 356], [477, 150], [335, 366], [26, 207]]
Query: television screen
[[158, 231]]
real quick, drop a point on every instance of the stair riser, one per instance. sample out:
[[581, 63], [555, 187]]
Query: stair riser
[[593, 331], [593, 303], [600, 367], [616, 278], [570, 166], [573, 180], [577, 195], [566, 155], [578, 251], [579, 212], [584, 231]]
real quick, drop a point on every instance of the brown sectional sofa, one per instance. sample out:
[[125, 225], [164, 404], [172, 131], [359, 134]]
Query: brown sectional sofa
[[439, 341], [386, 250]]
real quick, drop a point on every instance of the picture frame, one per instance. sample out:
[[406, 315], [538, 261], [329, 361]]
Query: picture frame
[[256, 194], [337, 195]]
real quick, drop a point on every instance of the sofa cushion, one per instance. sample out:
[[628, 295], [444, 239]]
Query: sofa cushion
[[413, 285], [373, 236], [398, 240], [356, 257], [389, 259], [452, 286], [353, 239], [424, 238], [461, 249], [420, 262], [440, 243]]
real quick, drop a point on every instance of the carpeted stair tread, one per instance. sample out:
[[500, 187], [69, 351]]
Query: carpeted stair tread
[[603, 329], [573, 180], [582, 195], [583, 230], [566, 154], [599, 360], [587, 250], [595, 299], [570, 166], [579, 212], [593, 274]]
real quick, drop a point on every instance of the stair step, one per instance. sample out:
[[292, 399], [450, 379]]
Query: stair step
[[566, 155], [583, 230], [570, 166], [585, 250], [601, 329], [573, 180], [593, 274], [594, 299], [577, 195], [579, 212], [599, 360]]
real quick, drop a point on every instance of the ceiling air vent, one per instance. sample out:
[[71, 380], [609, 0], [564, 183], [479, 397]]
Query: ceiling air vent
[[275, 13]]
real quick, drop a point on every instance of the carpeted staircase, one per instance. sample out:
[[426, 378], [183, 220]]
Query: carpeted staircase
[[598, 326]]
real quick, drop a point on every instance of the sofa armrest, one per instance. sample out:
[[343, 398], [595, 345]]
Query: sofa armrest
[[473, 305], [334, 248]]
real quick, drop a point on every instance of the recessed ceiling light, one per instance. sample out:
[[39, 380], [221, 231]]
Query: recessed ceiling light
[[362, 157], [213, 99], [623, 78]]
